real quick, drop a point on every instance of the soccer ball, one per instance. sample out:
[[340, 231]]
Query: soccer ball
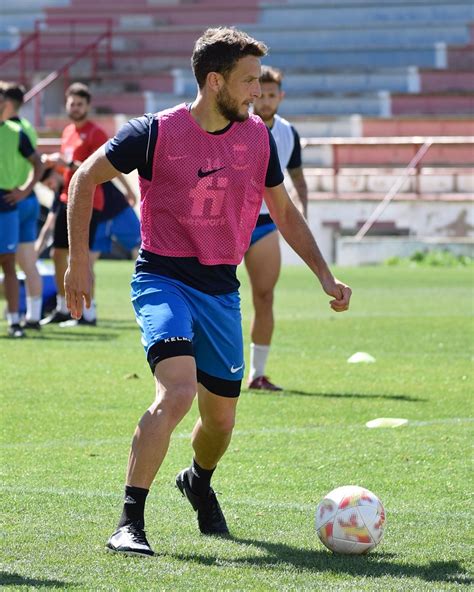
[[350, 520]]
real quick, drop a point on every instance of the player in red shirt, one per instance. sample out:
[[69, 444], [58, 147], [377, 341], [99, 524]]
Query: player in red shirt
[[79, 140]]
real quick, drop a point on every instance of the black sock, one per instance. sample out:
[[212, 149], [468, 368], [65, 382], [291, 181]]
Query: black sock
[[133, 506], [199, 478]]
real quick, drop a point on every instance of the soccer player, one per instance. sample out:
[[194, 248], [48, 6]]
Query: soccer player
[[117, 220], [15, 149], [203, 169], [263, 259], [79, 139], [28, 212]]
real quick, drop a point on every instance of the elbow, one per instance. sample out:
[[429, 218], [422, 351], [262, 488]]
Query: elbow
[[82, 180]]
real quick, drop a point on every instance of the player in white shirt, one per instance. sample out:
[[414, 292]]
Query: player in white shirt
[[263, 259]]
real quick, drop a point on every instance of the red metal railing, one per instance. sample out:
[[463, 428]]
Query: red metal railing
[[21, 52], [416, 143], [35, 48]]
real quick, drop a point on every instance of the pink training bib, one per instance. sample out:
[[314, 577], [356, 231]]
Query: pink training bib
[[206, 189]]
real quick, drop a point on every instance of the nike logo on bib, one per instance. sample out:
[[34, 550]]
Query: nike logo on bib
[[234, 370], [202, 173]]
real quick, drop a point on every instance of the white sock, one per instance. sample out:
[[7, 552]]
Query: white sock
[[258, 360], [34, 305], [61, 304], [89, 314], [13, 318]]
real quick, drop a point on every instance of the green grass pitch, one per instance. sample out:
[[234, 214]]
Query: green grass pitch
[[71, 399]]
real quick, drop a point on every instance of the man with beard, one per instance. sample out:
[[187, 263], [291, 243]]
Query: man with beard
[[79, 139], [263, 259], [203, 169]]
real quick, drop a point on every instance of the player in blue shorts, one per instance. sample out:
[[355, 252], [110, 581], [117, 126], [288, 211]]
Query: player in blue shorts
[[203, 168], [118, 222], [263, 259], [28, 214], [16, 151]]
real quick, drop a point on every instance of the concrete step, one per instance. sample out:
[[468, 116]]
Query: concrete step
[[417, 126], [433, 104], [317, 15], [400, 33], [346, 57], [362, 35], [342, 81], [342, 4], [364, 104]]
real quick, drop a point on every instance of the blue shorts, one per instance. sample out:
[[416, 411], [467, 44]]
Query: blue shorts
[[9, 231], [28, 210], [261, 231], [125, 228], [177, 320]]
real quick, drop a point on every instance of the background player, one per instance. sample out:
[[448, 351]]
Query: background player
[[263, 259], [15, 149], [28, 213], [79, 139]]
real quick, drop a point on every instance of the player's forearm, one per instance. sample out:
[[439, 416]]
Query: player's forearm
[[38, 169], [79, 211], [297, 234], [300, 197]]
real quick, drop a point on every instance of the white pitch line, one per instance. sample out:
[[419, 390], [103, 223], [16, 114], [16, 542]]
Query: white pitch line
[[237, 433], [264, 504]]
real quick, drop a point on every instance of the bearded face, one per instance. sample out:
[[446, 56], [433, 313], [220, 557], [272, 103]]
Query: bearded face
[[229, 107]]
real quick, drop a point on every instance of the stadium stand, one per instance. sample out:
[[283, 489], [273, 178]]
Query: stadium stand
[[354, 69], [341, 57]]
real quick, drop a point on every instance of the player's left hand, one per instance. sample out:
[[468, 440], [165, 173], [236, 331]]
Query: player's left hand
[[14, 196], [340, 291], [77, 286]]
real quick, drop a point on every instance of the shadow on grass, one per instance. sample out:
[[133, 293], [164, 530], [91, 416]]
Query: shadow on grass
[[119, 325], [13, 579], [70, 334], [373, 566], [406, 398]]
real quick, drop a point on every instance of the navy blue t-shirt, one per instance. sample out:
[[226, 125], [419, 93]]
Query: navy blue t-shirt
[[295, 158], [133, 148]]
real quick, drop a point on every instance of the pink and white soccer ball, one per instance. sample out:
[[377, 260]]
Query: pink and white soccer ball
[[350, 520]]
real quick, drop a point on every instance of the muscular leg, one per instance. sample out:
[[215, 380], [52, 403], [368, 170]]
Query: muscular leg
[[175, 380], [263, 262], [213, 430], [26, 257]]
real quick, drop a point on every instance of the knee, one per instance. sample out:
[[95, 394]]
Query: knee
[[7, 262], [222, 423], [264, 298], [174, 402]]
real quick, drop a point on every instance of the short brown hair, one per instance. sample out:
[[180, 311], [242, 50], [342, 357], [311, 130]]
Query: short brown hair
[[219, 49], [270, 74], [78, 89]]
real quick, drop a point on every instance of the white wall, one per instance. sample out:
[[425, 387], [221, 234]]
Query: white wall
[[442, 219]]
